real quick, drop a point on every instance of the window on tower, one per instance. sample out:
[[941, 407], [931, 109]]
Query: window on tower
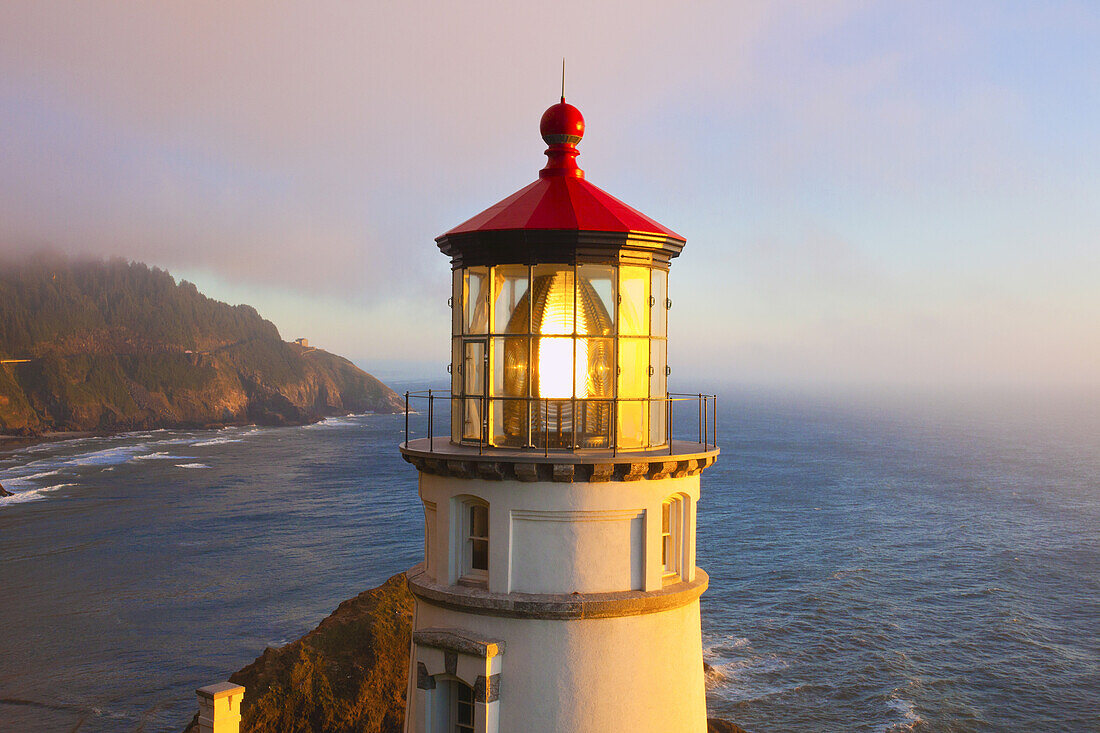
[[462, 708], [672, 538], [475, 541]]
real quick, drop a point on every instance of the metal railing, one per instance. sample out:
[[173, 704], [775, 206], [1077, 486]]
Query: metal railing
[[538, 435]]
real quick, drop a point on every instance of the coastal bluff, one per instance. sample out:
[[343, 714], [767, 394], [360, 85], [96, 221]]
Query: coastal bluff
[[347, 675], [108, 346]]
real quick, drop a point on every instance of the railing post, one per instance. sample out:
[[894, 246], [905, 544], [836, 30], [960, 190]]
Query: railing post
[[220, 708], [431, 431], [573, 414], [706, 431], [406, 418], [671, 401], [614, 428], [700, 418], [714, 424]]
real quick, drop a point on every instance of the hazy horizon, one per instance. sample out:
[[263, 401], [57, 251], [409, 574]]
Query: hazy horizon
[[872, 195]]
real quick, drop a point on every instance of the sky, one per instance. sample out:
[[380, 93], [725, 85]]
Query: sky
[[873, 193]]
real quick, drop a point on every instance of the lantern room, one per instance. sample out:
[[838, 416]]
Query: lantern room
[[560, 303]]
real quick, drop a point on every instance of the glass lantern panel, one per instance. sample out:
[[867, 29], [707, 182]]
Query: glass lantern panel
[[596, 299], [510, 306], [658, 361], [457, 277], [632, 417], [634, 300], [473, 368], [475, 303], [456, 366], [658, 386], [554, 376], [552, 295], [511, 375], [633, 368], [456, 419], [595, 360], [658, 421], [594, 423], [659, 312], [471, 424], [552, 423], [510, 423]]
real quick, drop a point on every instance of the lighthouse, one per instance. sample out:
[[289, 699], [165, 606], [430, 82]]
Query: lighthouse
[[559, 590]]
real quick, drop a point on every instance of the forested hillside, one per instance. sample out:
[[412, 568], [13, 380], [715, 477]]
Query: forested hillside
[[94, 345]]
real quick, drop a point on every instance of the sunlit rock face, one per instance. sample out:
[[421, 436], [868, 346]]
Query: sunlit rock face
[[348, 674], [120, 346]]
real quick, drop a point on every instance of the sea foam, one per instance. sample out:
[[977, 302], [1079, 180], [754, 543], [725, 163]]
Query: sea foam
[[22, 497]]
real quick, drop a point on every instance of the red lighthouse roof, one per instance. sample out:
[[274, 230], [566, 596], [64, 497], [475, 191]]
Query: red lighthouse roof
[[561, 199]]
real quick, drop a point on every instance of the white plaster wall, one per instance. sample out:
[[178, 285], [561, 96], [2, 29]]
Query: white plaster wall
[[431, 535], [636, 673], [558, 537], [552, 551]]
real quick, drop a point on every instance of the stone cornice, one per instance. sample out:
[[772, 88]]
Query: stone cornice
[[553, 606], [460, 641]]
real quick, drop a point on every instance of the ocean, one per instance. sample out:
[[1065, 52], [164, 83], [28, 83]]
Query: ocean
[[877, 563]]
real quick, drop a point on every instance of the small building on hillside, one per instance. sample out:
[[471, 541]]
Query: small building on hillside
[[304, 343]]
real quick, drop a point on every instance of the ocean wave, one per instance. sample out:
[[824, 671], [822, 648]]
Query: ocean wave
[[15, 480], [108, 456], [22, 497], [161, 456], [908, 712], [713, 676], [217, 441], [842, 574], [723, 644], [335, 422], [192, 465]]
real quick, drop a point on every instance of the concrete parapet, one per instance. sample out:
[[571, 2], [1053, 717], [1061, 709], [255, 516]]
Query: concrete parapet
[[220, 708]]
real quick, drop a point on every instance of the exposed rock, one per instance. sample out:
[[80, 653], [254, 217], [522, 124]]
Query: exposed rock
[[717, 725], [348, 674], [4, 492]]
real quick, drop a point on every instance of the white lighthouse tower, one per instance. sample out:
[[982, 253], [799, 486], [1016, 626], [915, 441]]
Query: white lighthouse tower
[[559, 590]]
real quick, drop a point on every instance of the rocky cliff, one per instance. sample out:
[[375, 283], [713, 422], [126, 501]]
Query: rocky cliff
[[348, 674], [91, 346]]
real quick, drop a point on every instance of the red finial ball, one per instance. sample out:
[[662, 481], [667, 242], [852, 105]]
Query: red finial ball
[[562, 123]]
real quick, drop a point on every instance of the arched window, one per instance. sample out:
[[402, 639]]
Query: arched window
[[475, 541], [672, 537], [462, 708], [452, 707]]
